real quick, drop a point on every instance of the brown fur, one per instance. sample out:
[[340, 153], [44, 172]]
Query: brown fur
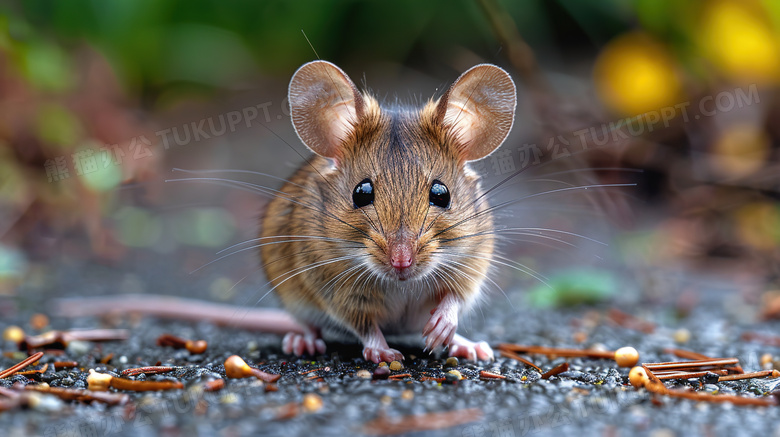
[[402, 151]]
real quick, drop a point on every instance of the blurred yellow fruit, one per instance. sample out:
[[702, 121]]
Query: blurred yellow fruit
[[740, 150], [738, 39], [635, 74]]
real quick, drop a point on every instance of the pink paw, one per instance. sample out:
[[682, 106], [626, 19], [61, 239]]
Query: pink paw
[[441, 327], [462, 347], [377, 355], [297, 344]]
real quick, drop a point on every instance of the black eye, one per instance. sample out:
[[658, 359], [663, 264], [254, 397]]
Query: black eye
[[363, 194], [440, 195]]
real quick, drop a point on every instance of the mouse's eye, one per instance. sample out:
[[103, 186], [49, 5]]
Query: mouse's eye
[[440, 195], [363, 194]]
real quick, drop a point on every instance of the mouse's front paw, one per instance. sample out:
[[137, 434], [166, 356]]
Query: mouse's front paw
[[298, 344], [441, 327], [378, 354], [462, 347]]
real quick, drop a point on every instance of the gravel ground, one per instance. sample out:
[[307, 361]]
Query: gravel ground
[[592, 398]]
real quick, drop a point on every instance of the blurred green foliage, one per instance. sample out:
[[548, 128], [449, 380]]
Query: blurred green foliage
[[155, 44]]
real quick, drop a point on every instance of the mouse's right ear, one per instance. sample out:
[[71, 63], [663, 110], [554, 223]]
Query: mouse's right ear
[[479, 108], [325, 106]]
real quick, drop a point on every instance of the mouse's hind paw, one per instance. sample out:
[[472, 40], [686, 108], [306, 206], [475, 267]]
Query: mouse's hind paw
[[462, 347]]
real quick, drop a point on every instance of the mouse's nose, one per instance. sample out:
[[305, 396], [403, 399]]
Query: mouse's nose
[[401, 261], [401, 254]]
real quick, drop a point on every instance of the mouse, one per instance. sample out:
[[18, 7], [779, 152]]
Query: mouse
[[386, 229]]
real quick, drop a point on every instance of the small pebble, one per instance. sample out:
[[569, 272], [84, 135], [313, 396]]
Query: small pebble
[[710, 378], [456, 373], [682, 335], [396, 365], [312, 403], [78, 347], [451, 362], [363, 373], [45, 403], [451, 378], [381, 372]]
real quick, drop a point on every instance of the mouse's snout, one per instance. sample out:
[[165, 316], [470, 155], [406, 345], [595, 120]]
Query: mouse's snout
[[401, 256], [401, 250]]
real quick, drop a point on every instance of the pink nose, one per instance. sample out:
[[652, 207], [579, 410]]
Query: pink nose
[[401, 262], [401, 256]]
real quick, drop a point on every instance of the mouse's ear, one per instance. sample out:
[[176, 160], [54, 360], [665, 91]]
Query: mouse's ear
[[479, 108], [325, 105]]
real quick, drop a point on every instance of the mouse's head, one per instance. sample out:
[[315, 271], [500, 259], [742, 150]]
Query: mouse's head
[[399, 180]]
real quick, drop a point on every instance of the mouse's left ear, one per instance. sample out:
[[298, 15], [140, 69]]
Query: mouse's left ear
[[479, 108], [325, 106]]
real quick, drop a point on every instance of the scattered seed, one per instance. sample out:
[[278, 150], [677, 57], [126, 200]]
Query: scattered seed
[[14, 334], [381, 372], [382, 364], [98, 381], [407, 395], [637, 376], [235, 367], [626, 356], [396, 366], [312, 403], [682, 335]]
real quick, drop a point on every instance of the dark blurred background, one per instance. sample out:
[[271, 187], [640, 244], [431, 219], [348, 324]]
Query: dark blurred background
[[100, 101]]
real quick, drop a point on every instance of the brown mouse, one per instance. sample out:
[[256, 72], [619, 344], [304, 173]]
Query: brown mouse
[[386, 229]]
